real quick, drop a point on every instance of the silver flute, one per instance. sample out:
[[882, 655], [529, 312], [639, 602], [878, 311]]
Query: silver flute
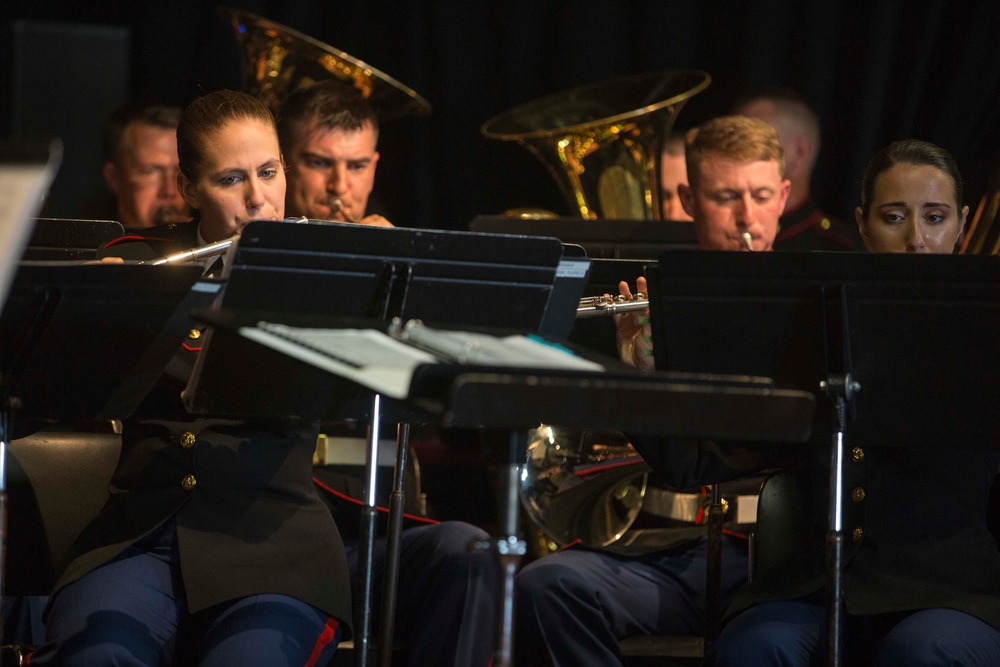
[[597, 306], [195, 254], [209, 249]]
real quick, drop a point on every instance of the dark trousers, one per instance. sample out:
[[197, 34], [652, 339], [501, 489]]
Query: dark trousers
[[22, 619], [794, 633], [132, 611], [446, 611], [574, 606]]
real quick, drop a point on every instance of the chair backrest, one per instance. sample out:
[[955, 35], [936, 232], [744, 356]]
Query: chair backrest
[[783, 527], [56, 483]]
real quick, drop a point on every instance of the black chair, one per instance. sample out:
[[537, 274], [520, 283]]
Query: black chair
[[56, 483], [782, 532]]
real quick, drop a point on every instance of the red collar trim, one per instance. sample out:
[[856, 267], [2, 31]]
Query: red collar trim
[[132, 237]]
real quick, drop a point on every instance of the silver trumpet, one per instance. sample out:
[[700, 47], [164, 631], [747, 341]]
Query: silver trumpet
[[596, 306]]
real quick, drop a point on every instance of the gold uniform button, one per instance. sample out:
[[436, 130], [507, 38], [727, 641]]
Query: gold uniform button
[[825, 223], [187, 440], [189, 482], [857, 454], [858, 494], [194, 334], [858, 533]]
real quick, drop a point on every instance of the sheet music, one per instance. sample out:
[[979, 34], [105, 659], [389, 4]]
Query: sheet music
[[386, 365], [24, 181]]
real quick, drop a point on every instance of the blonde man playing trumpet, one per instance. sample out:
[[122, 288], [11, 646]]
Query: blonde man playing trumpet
[[575, 606]]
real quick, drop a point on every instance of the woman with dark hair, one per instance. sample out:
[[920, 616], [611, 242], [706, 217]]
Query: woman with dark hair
[[921, 571], [911, 200], [214, 547]]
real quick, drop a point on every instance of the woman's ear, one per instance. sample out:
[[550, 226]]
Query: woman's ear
[[189, 192], [962, 222], [859, 217]]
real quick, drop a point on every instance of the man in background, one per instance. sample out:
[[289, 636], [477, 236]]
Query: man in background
[[673, 173], [804, 226], [447, 594], [328, 134], [140, 145]]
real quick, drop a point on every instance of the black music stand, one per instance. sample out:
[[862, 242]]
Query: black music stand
[[86, 343], [63, 239], [607, 239], [515, 399], [304, 274], [844, 327]]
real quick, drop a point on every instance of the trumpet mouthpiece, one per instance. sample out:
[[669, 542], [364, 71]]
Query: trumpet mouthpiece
[[748, 241], [337, 208]]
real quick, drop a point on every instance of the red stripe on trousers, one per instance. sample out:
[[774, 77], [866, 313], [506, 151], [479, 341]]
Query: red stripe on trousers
[[325, 638]]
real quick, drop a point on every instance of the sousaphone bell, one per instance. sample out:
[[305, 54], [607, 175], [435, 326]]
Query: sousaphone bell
[[982, 237], [278, 60], [602, 142]]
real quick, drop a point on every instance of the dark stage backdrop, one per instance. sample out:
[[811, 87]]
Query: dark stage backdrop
[[875, 71]]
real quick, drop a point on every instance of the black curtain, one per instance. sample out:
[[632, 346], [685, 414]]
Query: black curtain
[[875, 72]]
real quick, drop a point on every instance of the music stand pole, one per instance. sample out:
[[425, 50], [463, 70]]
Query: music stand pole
[[3, 509], [840, 389], [393, 549], [713, 569], [508, 547], [367, 546]]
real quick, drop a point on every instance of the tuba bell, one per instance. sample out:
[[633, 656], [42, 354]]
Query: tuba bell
[[278, 60], [602, 142], [983, 234], [581, 486]]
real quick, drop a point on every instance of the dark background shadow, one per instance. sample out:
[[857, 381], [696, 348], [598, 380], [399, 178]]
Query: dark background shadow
[[875, 72]]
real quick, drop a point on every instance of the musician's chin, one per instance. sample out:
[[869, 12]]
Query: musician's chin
[[169, 214]]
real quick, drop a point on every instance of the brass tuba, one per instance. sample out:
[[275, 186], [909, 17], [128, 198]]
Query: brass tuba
[[585, 486], [983, 234], [278, 60], [602, 142]]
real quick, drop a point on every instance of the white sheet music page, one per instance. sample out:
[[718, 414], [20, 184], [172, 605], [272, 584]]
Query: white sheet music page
[[384, 364], [366, 356], [25, 175]]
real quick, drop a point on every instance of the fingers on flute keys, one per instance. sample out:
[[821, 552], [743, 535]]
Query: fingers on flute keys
[[633, 332]]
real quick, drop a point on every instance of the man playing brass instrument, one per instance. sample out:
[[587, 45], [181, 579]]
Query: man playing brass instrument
[[573, 607], [804, 226], [446, 609], [140, 143], [328, 133]]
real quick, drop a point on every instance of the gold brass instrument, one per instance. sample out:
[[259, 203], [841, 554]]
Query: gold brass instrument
[[983, 233], [279, 60], [582, 485], [602, 142], [585, 486]]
